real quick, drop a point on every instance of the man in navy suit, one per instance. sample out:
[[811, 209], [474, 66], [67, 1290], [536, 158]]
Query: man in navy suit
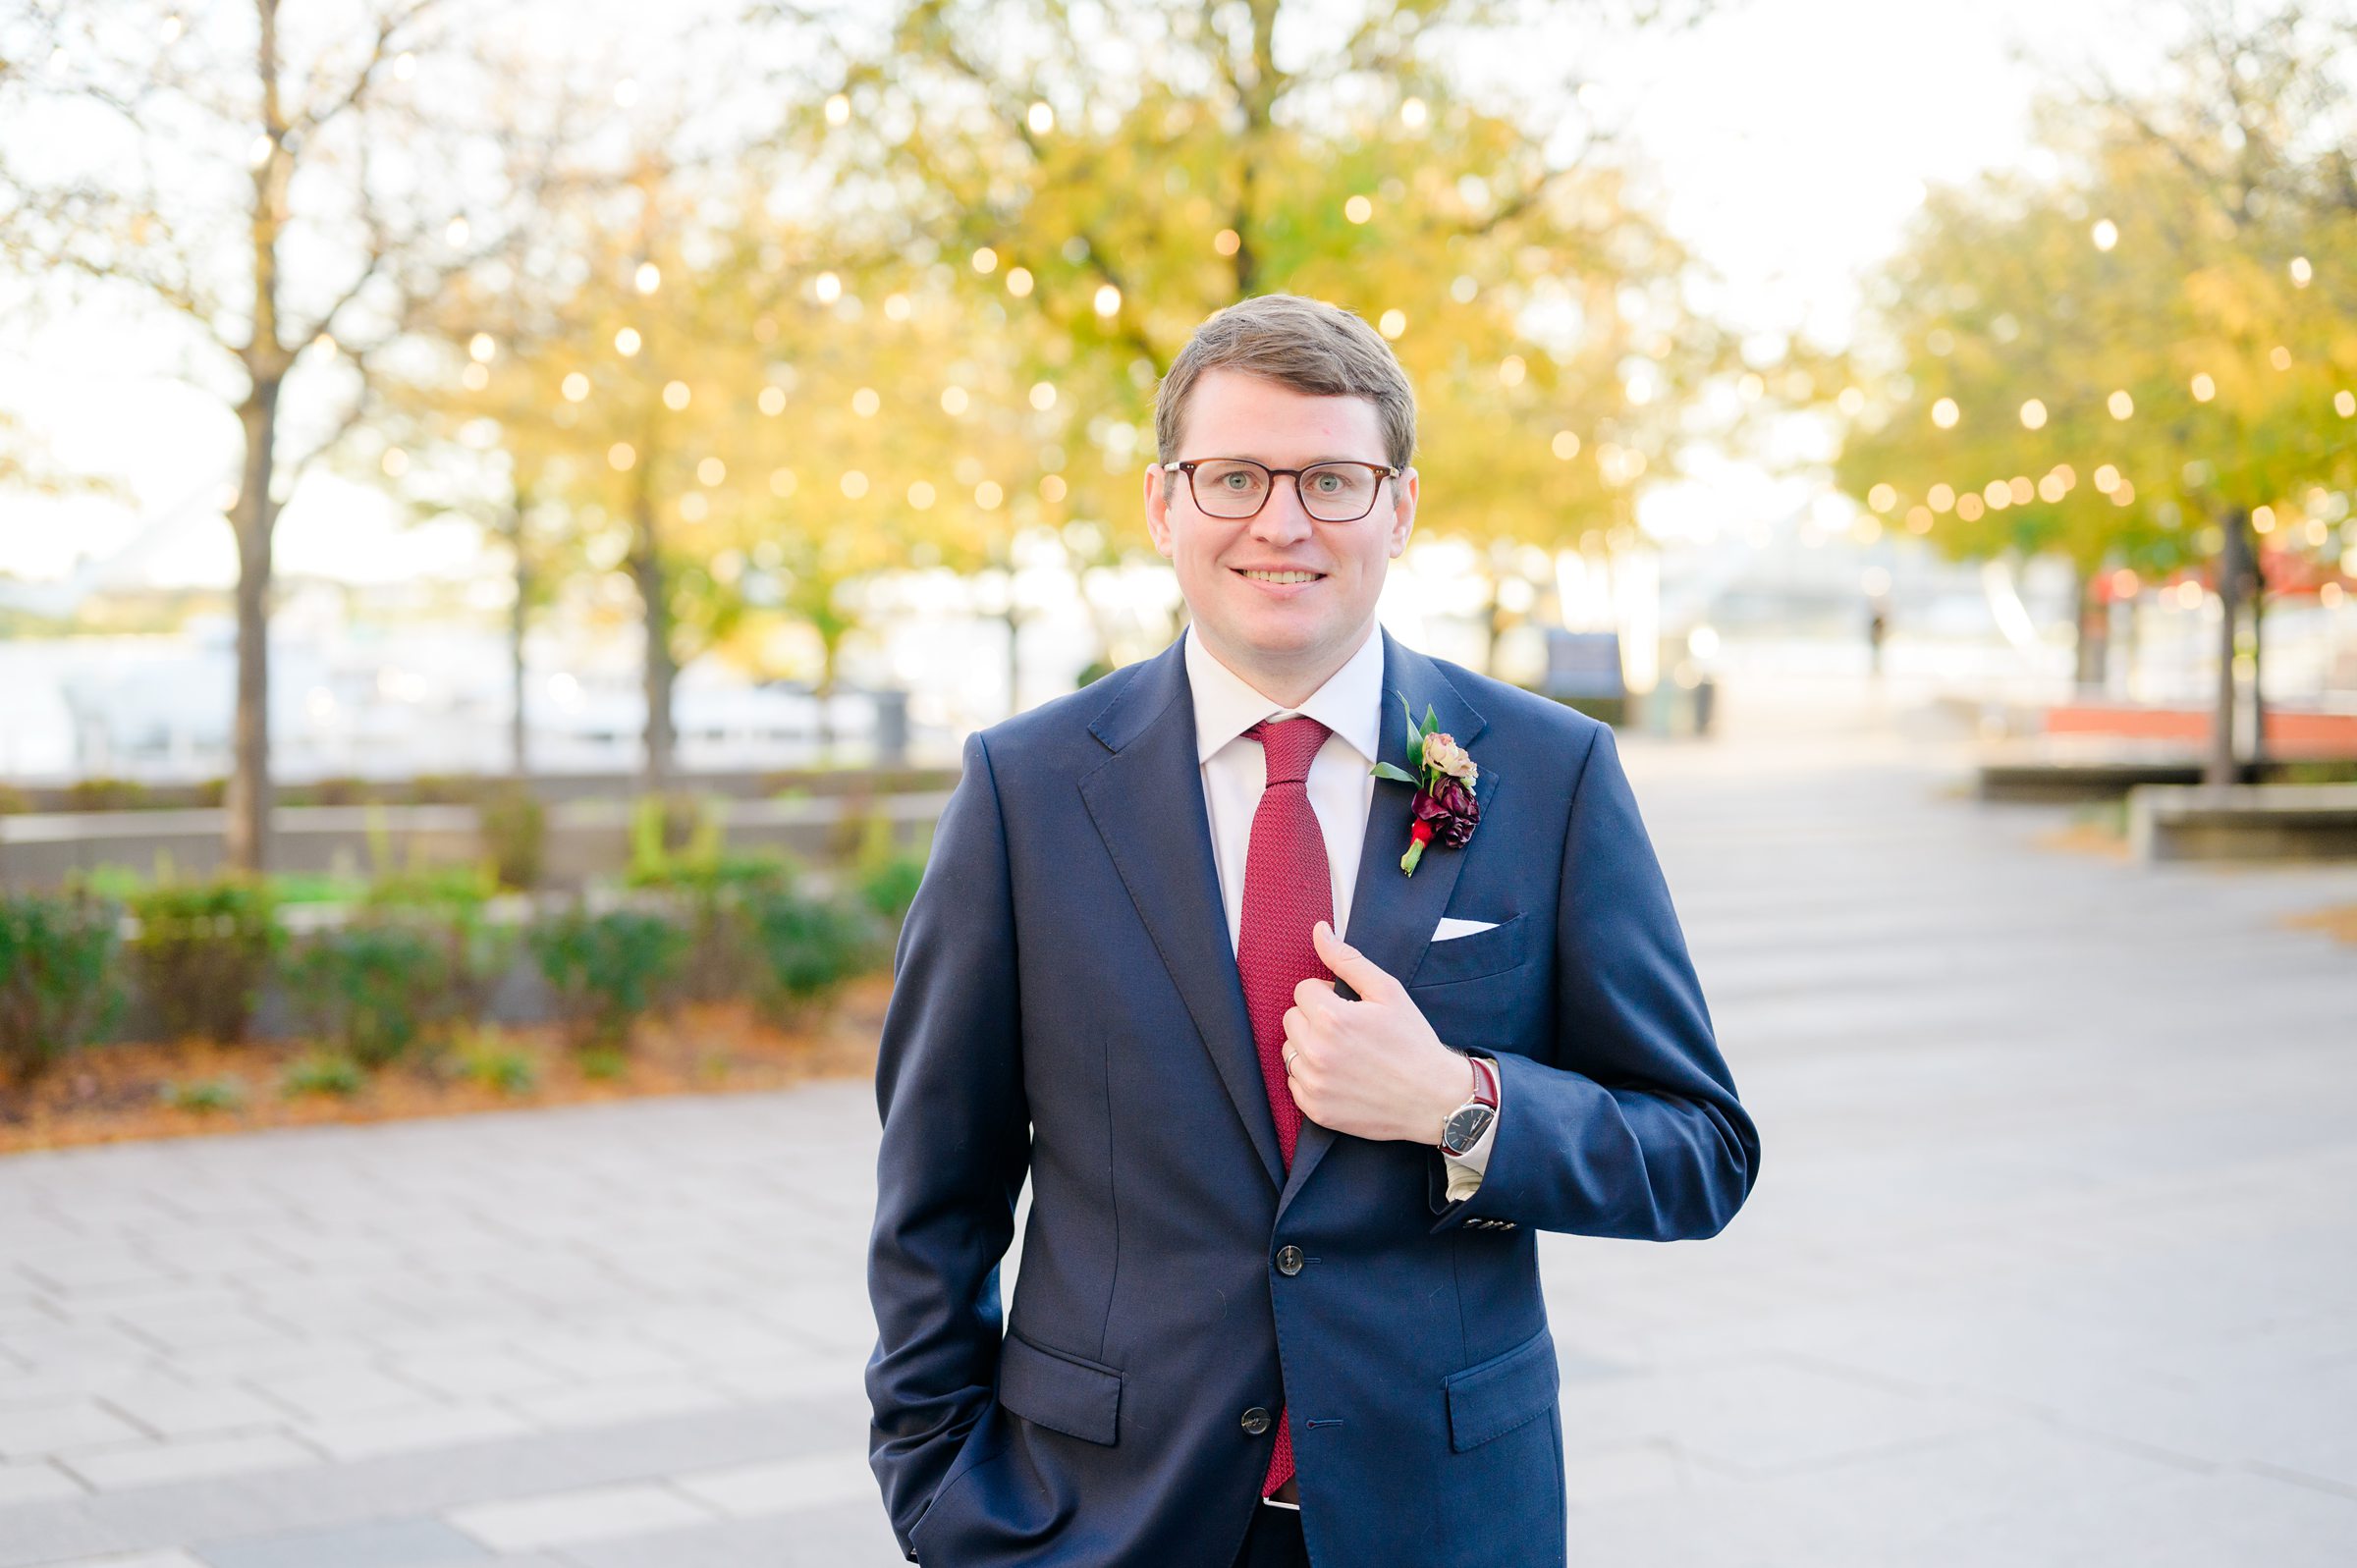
[[1279, 1297]]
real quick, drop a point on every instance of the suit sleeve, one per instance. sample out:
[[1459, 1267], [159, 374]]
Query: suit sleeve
[[955, 1146], [1626, 1123]]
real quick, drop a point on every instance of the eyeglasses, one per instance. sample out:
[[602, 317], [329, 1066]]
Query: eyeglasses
[[1235, 488]]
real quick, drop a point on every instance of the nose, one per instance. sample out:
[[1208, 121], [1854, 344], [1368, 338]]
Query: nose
[[1283, 520]]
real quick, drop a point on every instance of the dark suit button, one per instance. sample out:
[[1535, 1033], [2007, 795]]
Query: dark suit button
[[1256, 1421], [1289, 1260]]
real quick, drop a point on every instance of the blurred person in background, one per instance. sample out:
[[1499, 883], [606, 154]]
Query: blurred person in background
[[1279, 1290]]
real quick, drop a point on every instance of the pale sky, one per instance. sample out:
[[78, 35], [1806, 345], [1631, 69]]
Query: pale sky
[[1792, 138]]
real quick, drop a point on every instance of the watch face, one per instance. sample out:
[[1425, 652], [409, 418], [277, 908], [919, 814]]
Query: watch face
[[1465, 1128]]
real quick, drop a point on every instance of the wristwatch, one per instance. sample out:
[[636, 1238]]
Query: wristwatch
[[1468, 1121]]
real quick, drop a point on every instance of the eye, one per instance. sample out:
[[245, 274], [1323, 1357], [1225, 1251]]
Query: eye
[[1328, 482]]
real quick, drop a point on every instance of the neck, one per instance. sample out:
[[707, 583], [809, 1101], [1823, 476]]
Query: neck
[[1286, 682]]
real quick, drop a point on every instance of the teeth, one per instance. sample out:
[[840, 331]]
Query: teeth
[[1282, 576]]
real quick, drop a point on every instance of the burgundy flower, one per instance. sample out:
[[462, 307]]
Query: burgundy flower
[[1443, 808], [1450, 809]]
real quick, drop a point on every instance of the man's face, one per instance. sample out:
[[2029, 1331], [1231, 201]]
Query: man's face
[[1281, 628]]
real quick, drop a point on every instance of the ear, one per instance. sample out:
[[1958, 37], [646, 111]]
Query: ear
[[1403, 510], [1158, 509]]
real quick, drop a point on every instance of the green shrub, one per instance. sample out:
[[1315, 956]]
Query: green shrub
[[889, 886], [450, 907], [440, 790], [369, 988], [106, 795], [808, 946], [14, 800], [709, 890], [668, 826], [2315, 770], [316, 887], [56, 977], [886, 873], [515, 833], [342, 790], [203, 1094], [322, 1072], [483, 1056], [603, 1061], [607, 970], [203, 951]]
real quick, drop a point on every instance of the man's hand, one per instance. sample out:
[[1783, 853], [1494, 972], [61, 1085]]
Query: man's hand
[[1373, 1067]]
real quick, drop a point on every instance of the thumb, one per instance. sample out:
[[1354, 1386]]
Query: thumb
[[1347, 962]]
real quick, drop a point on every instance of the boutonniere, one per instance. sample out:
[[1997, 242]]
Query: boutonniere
[[1443, 807]]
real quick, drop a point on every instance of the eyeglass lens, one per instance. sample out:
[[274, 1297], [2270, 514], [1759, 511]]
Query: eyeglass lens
[[1234, 487]]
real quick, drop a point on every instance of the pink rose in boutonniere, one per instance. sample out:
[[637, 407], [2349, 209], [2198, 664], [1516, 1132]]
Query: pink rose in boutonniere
[[1443, 807]]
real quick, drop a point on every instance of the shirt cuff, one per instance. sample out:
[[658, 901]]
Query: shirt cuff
[[1465, 1171]]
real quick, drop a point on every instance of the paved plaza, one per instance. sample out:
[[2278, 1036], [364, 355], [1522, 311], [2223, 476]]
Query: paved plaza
[[2053, 1257]]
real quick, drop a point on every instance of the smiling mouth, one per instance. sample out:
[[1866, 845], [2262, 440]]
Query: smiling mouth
[[1281, 577]]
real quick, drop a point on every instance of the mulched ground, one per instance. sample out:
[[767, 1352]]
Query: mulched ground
[[2339, 921], [107, 1094], [2085, 838]]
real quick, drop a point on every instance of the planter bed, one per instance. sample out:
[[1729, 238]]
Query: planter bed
[[110, 1093]]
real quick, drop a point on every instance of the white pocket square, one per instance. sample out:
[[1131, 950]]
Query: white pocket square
[[1449, 927]]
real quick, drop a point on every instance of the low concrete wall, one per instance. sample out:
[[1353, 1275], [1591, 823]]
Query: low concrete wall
[[586, 838], [2066, 780], [2243, 822]]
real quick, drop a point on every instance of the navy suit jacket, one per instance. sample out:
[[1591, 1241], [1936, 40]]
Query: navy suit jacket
[[1067, 1004]]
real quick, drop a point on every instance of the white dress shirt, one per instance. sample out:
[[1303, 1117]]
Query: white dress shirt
[[1341, 785]]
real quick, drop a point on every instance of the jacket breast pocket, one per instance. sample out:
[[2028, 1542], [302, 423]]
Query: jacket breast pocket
[[1504, 946], [1062, 1392]]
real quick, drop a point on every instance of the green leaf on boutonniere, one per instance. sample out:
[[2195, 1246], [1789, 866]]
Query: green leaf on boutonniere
[[1416, 733], [1384, 770]]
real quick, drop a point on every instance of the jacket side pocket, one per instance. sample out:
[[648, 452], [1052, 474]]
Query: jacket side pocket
[[1065, 1393], [1491, 1399]]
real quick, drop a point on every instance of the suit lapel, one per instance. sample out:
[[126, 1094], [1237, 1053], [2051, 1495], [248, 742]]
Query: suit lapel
[[1147, 803], [1393, 914]]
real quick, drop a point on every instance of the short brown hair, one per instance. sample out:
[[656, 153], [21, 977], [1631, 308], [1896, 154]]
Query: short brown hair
[[1303, 343]]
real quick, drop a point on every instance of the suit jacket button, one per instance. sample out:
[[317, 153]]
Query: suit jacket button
[[1289, 1260], [1256, 1421]]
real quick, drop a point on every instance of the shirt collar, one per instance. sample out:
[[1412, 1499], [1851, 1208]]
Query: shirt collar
[[1349, 703]]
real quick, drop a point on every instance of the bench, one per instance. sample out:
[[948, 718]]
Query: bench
[[2242, 821]]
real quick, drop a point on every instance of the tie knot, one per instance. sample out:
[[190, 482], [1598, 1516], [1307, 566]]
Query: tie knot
[[1289, 744]]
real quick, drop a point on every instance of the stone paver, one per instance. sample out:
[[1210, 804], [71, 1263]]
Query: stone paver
[[2051, 1259], [564, 1518]]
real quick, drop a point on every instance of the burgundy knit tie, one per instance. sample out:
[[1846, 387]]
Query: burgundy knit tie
[[1288, 889]]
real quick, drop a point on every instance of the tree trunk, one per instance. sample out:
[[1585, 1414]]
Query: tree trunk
[[2222, 768], [646, 570], [1492, 615], [2258, 665], [253, 516], [518, 622], [1015, 651], [828, 648], [2093, 669]]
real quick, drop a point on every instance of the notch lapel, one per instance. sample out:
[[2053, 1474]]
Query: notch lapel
[[1147, 803], [1393, 914]]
